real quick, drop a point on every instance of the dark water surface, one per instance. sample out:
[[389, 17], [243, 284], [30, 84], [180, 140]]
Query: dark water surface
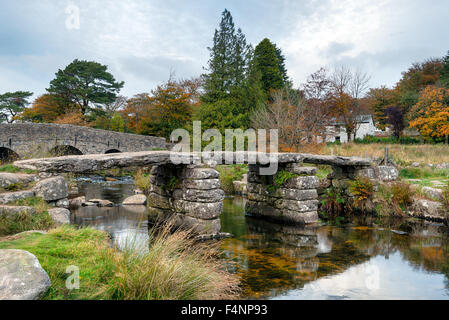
[[366, 260]]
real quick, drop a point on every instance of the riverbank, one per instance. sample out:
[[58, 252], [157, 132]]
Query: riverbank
[[174, 268]]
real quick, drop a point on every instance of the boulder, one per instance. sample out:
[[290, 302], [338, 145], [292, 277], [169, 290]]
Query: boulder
[[9, 211], [158, 201], [433, 193], [60, 216], [8, 179], [387, 173], [240, 187], [22, 277], [137, 199], [15, 196], [52, 189], [77, 202], [429, 210]]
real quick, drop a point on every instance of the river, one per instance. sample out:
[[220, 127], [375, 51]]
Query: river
[[369, 259]]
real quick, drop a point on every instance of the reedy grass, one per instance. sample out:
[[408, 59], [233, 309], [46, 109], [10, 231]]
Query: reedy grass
[[175, 267]]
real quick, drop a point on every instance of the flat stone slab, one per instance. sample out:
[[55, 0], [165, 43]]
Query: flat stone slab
[[137, 199], [15, 196], [95, 162], [22, 277], [8, 179], [9, 211]]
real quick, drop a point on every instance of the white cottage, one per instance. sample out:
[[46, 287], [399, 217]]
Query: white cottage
[[336, 131]]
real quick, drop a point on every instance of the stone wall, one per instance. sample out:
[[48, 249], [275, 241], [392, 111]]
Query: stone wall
[[190, 195], [39, 138], [295, 202]]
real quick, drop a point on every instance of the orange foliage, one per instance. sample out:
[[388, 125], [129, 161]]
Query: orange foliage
[[45, 109], [75, 118], [431, 114]]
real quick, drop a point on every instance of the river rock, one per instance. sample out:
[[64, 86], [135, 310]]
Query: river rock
[[193, 195], [137, 199], [387, 173], [77, 202], [60, 216], [52, 189], [102, 203], [240, 187], [199, 210], [433, 193], [158, 201], [8, 179], [15, 196], [22, 277], [430, 210], [9, 211]]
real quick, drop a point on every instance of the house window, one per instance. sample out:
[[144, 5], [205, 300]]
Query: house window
[[337, 139]]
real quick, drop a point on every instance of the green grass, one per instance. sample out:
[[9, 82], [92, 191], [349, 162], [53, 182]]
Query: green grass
[[423, 173], [173, 268], [13, 169], [24, 222], [229, 174]]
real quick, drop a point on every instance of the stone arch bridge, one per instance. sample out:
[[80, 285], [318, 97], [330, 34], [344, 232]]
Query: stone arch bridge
[[187, 187], [26, 140]]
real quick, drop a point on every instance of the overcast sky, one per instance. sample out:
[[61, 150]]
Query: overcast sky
[[141, 41]]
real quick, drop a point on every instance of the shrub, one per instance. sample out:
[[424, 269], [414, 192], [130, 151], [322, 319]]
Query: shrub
[[387, 140], [281, 177], [142, 181], [362, 190], [229, 174], [334, 203], [173, 268]]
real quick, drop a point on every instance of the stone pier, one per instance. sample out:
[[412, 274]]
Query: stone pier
[[190, 195], [289, 196]]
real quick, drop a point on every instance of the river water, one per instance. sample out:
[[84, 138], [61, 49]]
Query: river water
[[369, 259]]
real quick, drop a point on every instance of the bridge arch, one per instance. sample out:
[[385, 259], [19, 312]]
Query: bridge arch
[[8, 155], [112, 151], [65, 150]]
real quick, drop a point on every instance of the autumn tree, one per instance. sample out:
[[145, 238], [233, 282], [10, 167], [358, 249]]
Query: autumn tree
[[13, 103], [86, 84], [45, 108], [430, 116], [415, 79], [379, 100], [298, 125], [348, 88], [395, 118]]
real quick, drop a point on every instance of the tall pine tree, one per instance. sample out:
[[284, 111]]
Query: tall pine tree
[[228, 64], [270, 63]]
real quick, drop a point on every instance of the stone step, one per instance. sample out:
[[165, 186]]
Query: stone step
[[9, 197]]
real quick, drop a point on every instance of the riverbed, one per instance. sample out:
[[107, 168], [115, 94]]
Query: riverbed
[[369, 259]]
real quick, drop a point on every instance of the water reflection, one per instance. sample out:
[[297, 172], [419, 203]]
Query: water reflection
[[371, 259], [127, 225], [374, 259]]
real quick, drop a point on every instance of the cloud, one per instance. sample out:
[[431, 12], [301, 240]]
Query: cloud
[[141, 41]]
